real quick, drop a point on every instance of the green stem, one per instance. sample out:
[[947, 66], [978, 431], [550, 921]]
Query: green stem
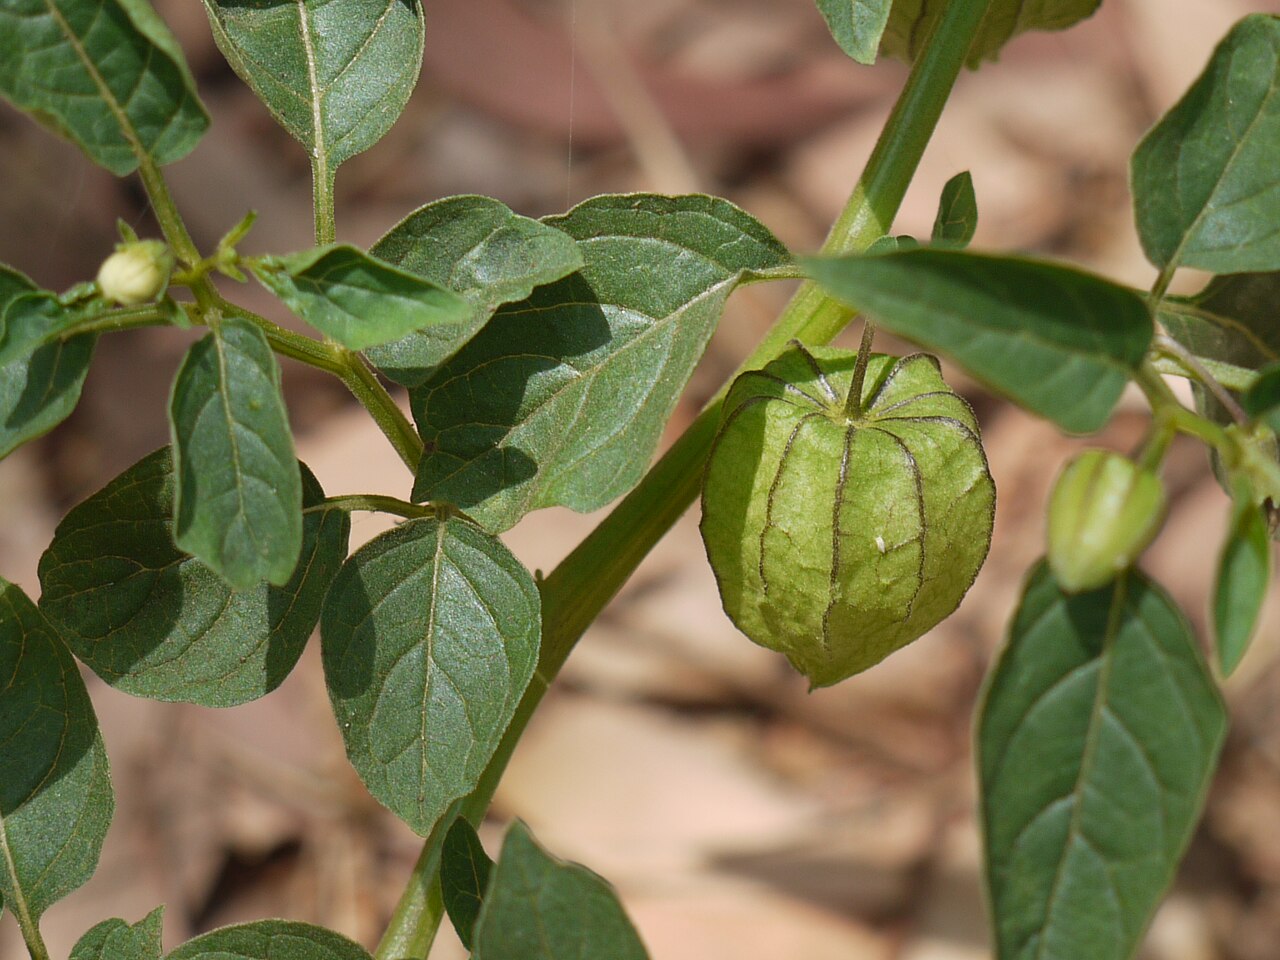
[[1165, 406], [580, 587], [129, 318], [322, 202], [853, 402], [350, 369], [376, 503], [373, 396], [166, 211], [1171, 348]]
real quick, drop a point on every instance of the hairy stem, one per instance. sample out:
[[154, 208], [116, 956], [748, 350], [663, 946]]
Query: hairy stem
[[580, 587], [373, 396], [1171, 348], [322, 202], [166, 211], [375, 503]]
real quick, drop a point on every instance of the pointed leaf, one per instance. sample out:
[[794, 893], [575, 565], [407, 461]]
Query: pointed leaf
[[55, 788], [1097, 740], [430, 637], [157, 623], [957, 219], [464, 878], [270, 940], [106, 74], [479, 249], [857, 25], [40, 389], [238, 498], [357, 299], [1058, 341], [1244, 574], [541, 908], [334, 73], [561, 399], [117, 940], [1205, 182], [911, 21]]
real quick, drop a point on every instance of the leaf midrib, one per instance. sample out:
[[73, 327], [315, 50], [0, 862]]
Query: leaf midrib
[[104, 91], [1092, 736], [319, 156]]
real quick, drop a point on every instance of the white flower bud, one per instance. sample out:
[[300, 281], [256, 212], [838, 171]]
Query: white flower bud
[[137, 272]]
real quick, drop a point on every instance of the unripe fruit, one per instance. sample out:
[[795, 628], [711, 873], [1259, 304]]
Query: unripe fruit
[[836, 539], [1104, 511], [136, 273]]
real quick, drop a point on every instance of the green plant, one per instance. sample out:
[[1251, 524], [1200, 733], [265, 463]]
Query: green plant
[[543, 359]]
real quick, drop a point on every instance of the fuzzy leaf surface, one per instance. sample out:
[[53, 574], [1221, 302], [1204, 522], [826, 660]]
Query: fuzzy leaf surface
[[1096, 741], [478, 248], [357, 299], [911, 20], [541, 908], [155, 622], [39, 389], [55, 787], [1243, 577], [857, 25], [561, 399], [464, 878], [238, 498], [334, 73], [270, 940], [837, 540], [1205, 183], [430, 636], [118, 940], [1058, 341], [106, 74]]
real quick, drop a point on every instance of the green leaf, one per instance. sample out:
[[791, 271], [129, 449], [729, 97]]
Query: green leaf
[[35, 319], [430, 636], [1244, 574], [479, 249], [106, 74], [837, 539], [38, 393], [1058, 341], [270, 940], [117, 940], [1205, 182], [39, 389], [541, 908], [154, 622], [957, 219], [357, 299], [857, 25], [464, 878], [238, 498], [1262, 401], [334, 73], [912, 20], [1232, 320], [1096, 741], [561, 399], [55, 788]]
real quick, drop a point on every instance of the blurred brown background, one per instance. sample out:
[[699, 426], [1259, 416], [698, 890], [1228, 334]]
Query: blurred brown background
[[739, 816]]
